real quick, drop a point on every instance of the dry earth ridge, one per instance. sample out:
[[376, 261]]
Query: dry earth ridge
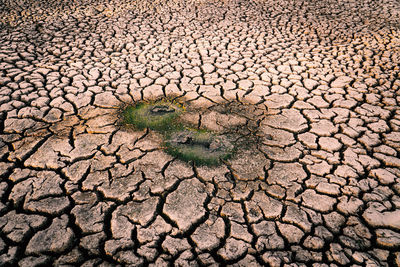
[[319, 80]]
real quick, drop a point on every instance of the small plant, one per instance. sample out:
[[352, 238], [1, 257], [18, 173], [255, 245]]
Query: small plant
[[159, 116]]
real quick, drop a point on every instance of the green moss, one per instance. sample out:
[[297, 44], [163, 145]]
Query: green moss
[[199, 146], [159, 116]]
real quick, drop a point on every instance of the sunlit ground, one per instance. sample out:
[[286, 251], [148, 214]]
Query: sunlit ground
[[305, 93]]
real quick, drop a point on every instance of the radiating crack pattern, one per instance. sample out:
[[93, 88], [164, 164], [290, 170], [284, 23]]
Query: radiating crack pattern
[[309, 89]]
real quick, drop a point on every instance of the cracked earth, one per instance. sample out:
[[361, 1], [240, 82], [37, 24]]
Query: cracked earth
[[313, 84]]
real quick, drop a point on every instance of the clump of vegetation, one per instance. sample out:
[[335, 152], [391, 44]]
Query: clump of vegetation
[[202, 147], [159, 115]]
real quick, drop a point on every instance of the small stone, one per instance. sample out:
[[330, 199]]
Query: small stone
[[162, 109], [201, 147]]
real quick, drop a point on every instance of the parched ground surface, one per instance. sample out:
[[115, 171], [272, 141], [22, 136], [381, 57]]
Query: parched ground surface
[[314, 86]]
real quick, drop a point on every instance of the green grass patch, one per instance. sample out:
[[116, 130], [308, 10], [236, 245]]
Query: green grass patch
[[159, 116], [199, 146]]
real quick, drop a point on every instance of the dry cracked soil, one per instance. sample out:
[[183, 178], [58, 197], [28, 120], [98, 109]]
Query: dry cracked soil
[[314, 85]]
